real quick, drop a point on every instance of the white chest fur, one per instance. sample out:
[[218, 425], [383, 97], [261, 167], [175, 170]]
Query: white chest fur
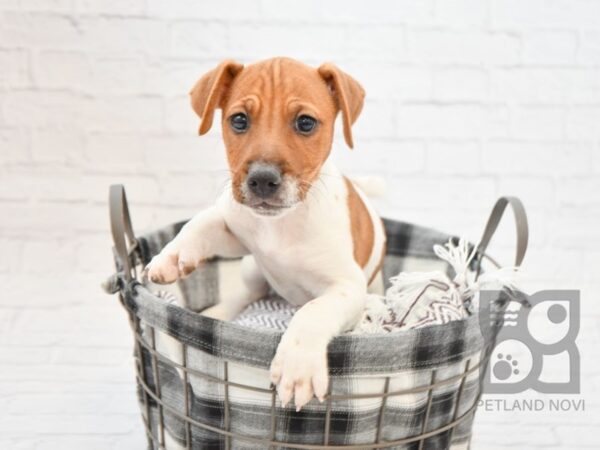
[[301, 252]]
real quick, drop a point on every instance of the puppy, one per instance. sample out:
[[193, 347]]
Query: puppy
[[303, 228]]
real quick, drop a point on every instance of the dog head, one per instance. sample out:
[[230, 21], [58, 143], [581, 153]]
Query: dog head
[[277, 119]]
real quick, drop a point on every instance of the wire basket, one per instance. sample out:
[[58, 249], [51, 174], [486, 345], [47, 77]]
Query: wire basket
[[203, 384]]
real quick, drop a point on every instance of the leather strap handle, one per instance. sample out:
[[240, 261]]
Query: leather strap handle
[[122, 231], [522, 229]]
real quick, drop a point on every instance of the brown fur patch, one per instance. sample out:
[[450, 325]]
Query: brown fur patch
[[361, 225]]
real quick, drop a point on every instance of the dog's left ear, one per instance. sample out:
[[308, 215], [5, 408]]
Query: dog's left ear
[[349, 96], [209, 91]]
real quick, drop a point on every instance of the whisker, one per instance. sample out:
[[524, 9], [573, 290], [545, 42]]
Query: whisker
[[314, 190], [331, 175]]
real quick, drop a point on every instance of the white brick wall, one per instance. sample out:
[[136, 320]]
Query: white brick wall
[[467, 100]]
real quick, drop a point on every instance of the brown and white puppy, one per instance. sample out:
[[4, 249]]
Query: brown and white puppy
[[302, 227]]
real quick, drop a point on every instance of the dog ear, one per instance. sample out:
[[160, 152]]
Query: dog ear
[[209, 91], [348, 93]]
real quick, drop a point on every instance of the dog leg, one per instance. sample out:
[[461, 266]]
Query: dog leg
[[204, 236], [254, 288], [299, 368]]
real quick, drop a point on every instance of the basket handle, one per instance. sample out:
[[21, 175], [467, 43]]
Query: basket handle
[[522, 229], [122, 231]]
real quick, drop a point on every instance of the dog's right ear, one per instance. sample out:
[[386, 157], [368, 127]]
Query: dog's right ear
[[209, 91]]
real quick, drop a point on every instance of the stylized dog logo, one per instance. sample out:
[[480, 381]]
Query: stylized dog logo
[[535, 348]]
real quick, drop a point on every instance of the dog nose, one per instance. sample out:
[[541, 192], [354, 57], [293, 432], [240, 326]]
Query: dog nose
[[264, 181]]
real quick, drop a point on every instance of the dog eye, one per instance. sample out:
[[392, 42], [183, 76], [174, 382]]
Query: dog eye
[[305, 124], [239, 122]]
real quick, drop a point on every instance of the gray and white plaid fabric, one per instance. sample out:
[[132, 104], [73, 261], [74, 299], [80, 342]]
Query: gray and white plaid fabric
[[359, 364], [271, 312]]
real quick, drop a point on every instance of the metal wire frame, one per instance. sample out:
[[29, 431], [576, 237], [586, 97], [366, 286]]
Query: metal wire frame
[[156, 438], [128, 251]]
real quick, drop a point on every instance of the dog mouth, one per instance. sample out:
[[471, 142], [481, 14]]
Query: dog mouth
[[264, 208]]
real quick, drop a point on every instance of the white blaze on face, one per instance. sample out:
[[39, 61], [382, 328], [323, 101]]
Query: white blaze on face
[[290, 194]]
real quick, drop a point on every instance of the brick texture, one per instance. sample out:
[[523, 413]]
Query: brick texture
[[466, 100]]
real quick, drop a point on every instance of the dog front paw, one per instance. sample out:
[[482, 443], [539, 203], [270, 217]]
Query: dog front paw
[[299, 370], [167, 267], [163, 269]]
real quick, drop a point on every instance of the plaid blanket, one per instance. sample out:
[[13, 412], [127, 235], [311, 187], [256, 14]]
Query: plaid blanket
[[362, 367]]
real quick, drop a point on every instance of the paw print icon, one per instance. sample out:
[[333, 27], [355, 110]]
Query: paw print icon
[[535, 346], [505, 367], [510, 364]]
